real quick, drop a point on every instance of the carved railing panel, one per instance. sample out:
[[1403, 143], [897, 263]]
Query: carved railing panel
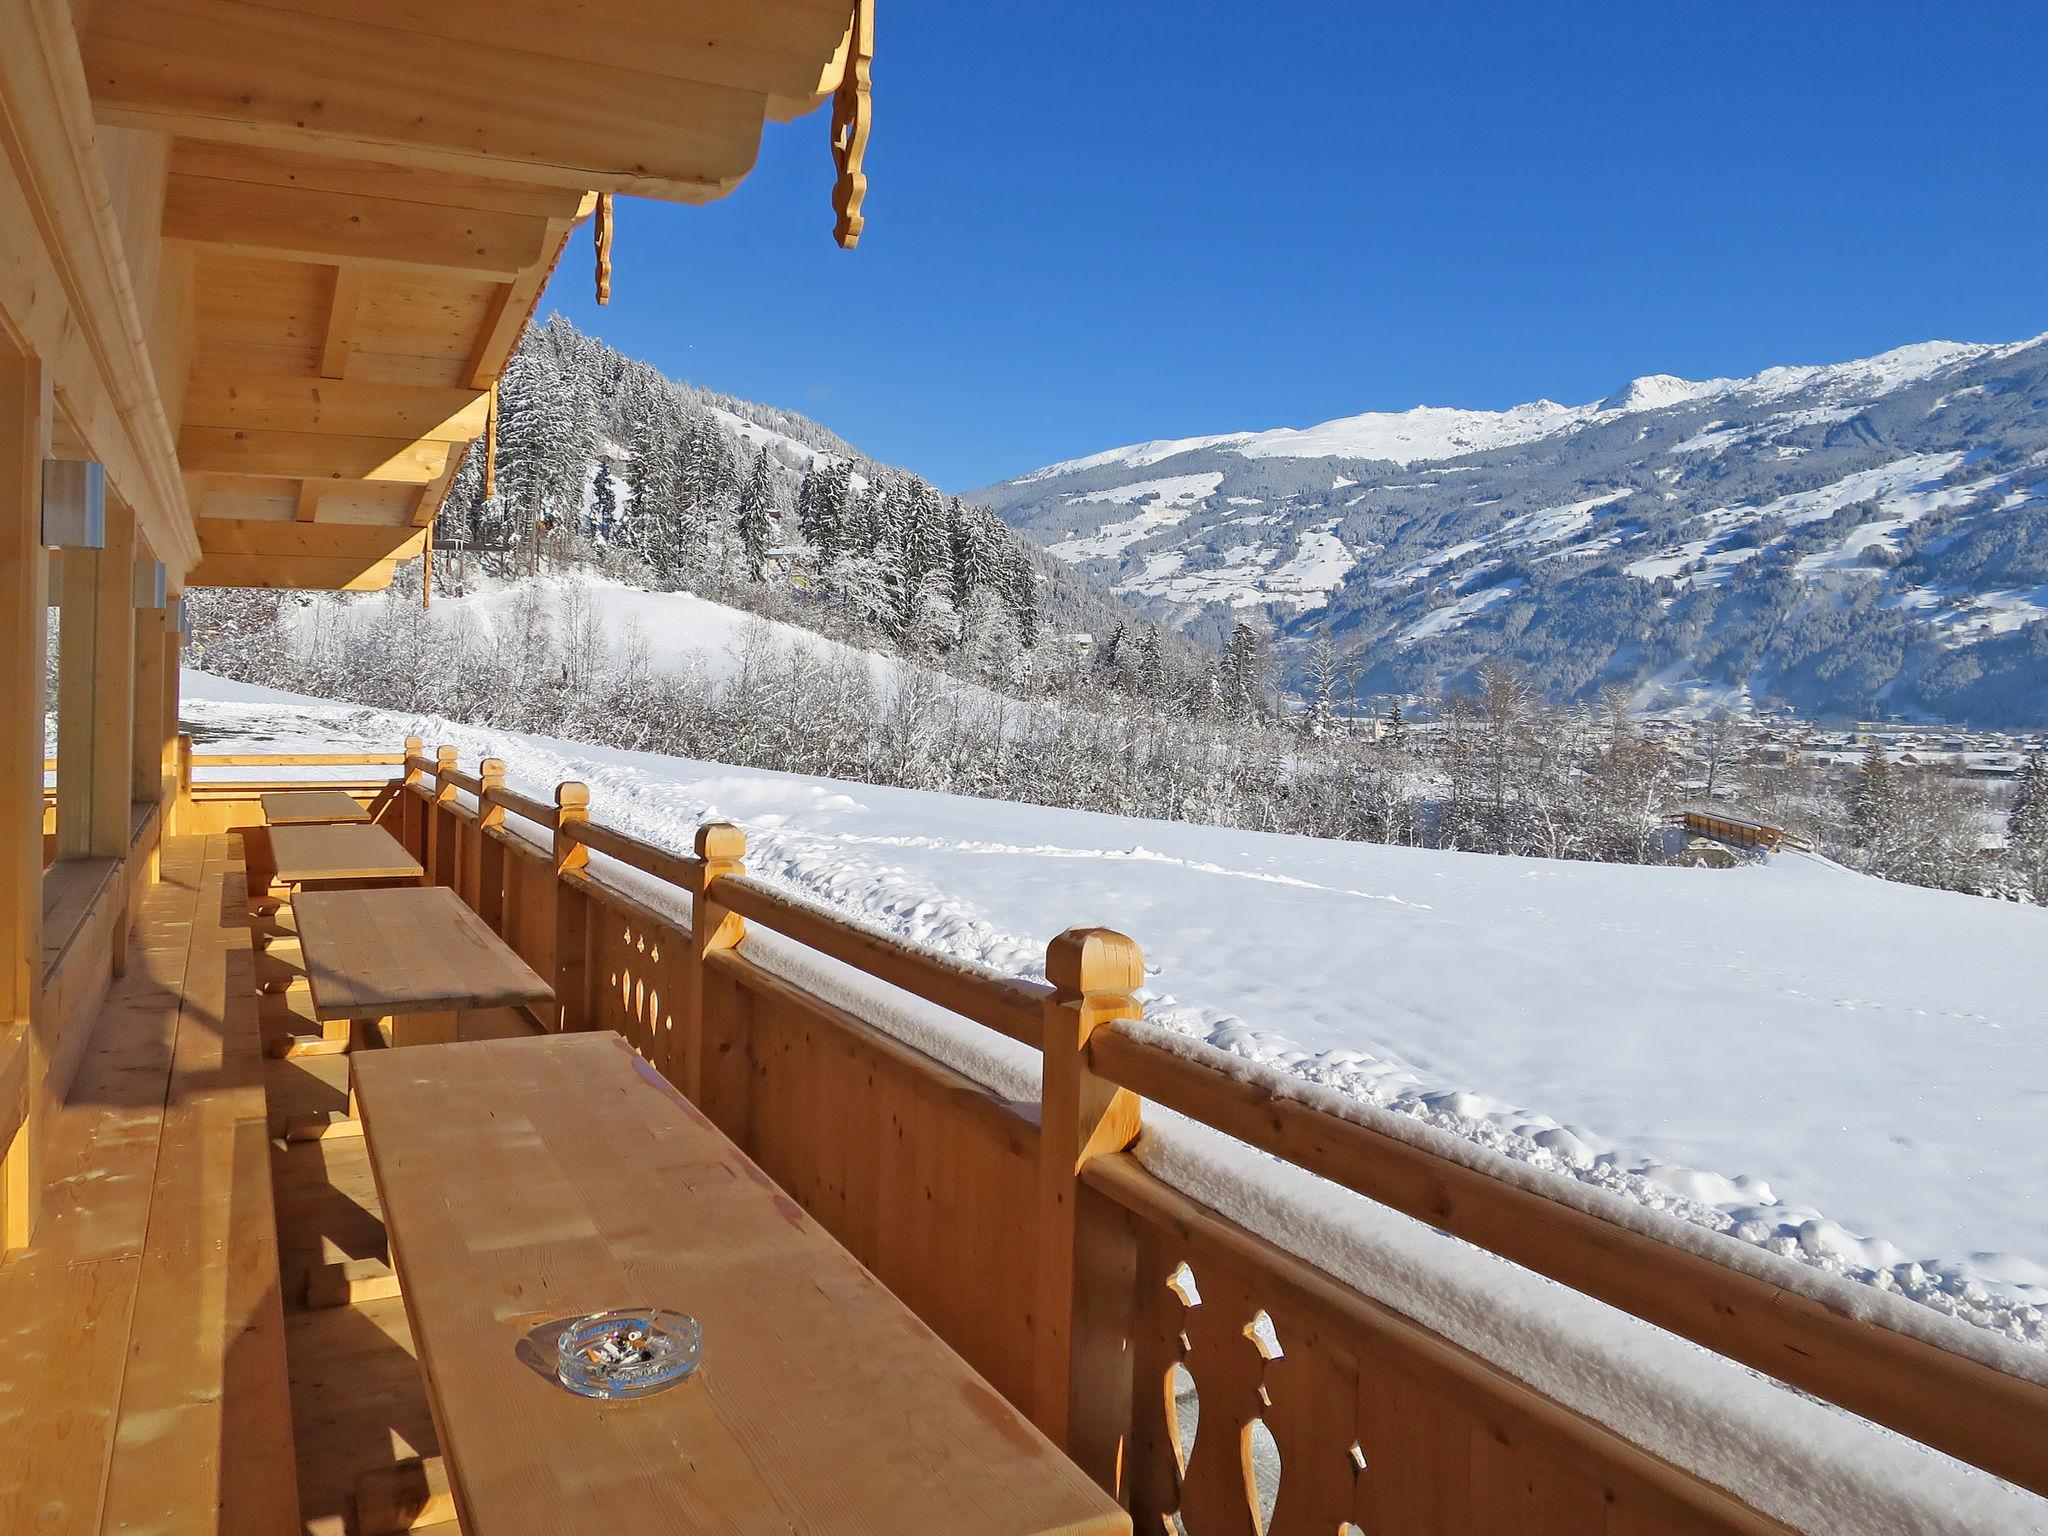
[[1271, 1400]]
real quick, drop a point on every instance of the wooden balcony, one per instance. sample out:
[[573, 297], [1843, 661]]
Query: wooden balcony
[[262, 263], [1204, 1365]]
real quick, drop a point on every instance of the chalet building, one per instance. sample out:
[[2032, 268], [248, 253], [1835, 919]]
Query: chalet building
[[338, 1092]]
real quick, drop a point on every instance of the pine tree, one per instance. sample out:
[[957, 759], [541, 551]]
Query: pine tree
[[1019, 584], [1395, 732], [1110, 657], [2026, 826], [604, 503], [1874, 809], [979, 543], [807, 493], [653, 527], [757, 517], [1326, 667], [1241, 682], [924, 549], [1152, 669], [534, 420]]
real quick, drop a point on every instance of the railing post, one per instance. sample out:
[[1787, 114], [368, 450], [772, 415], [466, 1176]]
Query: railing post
[[411, 824], [1093, 972], [441, 824], [721, 851], [183, 804], [572, 908], [490, 852]]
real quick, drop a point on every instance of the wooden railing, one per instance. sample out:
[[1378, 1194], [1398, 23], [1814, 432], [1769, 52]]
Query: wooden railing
[[1091, 1292]]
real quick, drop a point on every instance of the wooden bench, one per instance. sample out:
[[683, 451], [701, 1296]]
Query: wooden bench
[[526, 1182], [143, 1382]]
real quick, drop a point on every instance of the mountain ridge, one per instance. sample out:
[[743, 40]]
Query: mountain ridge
[[1845, 539]]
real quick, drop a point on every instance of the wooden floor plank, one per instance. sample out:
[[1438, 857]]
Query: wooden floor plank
[[70, 1300], [67, 1343], [202, 1440]]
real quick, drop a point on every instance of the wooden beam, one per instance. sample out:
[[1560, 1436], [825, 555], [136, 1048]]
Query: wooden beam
[[65, 289], [277, 402], [174, 651], [432, 494], [475, 105], [306, 573], [305, 224], [781, 48], [369, 541], [512, 305], [25, 414], [146, 772], [340, 333], [311, 455], [77, 634], [113, 691], [308, 509], [348, 1281]]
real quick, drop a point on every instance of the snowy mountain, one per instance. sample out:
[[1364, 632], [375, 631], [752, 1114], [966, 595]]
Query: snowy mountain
[[1850, 539]]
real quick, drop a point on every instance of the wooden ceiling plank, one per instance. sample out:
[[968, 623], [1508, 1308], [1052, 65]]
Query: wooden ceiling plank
[[404, 368], [366, 178], [306, 224], [302, 573], [472, 106], [341, 321], [312, 455], [344, 406]]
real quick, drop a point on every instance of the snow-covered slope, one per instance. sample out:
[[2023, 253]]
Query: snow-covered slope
[[1847, 538], [671, 628], [1842, 1069]]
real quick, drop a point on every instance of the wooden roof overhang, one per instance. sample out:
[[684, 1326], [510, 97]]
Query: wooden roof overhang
[[279, 252]]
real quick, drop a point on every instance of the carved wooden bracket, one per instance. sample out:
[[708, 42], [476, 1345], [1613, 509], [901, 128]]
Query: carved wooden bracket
[[602, 227], [852, 109]]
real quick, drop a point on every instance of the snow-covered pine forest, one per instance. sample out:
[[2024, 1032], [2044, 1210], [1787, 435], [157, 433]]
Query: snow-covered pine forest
[[957, 661], [603, 462]]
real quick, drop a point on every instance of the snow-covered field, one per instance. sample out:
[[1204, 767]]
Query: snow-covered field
[[1844, 1070], [674, 627]]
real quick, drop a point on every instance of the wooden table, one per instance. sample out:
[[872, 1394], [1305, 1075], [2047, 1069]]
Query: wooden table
[[408, 961], [528, 1181], [306, 807], [319, 854]]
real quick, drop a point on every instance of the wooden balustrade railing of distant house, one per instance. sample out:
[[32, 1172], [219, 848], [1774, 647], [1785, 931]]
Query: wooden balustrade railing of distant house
[[1032, 1240]]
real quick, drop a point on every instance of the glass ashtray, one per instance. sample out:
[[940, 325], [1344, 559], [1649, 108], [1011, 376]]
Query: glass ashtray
[[632, 1352]]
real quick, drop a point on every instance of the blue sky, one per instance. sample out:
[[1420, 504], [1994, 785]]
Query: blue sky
[[1090, 224]]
